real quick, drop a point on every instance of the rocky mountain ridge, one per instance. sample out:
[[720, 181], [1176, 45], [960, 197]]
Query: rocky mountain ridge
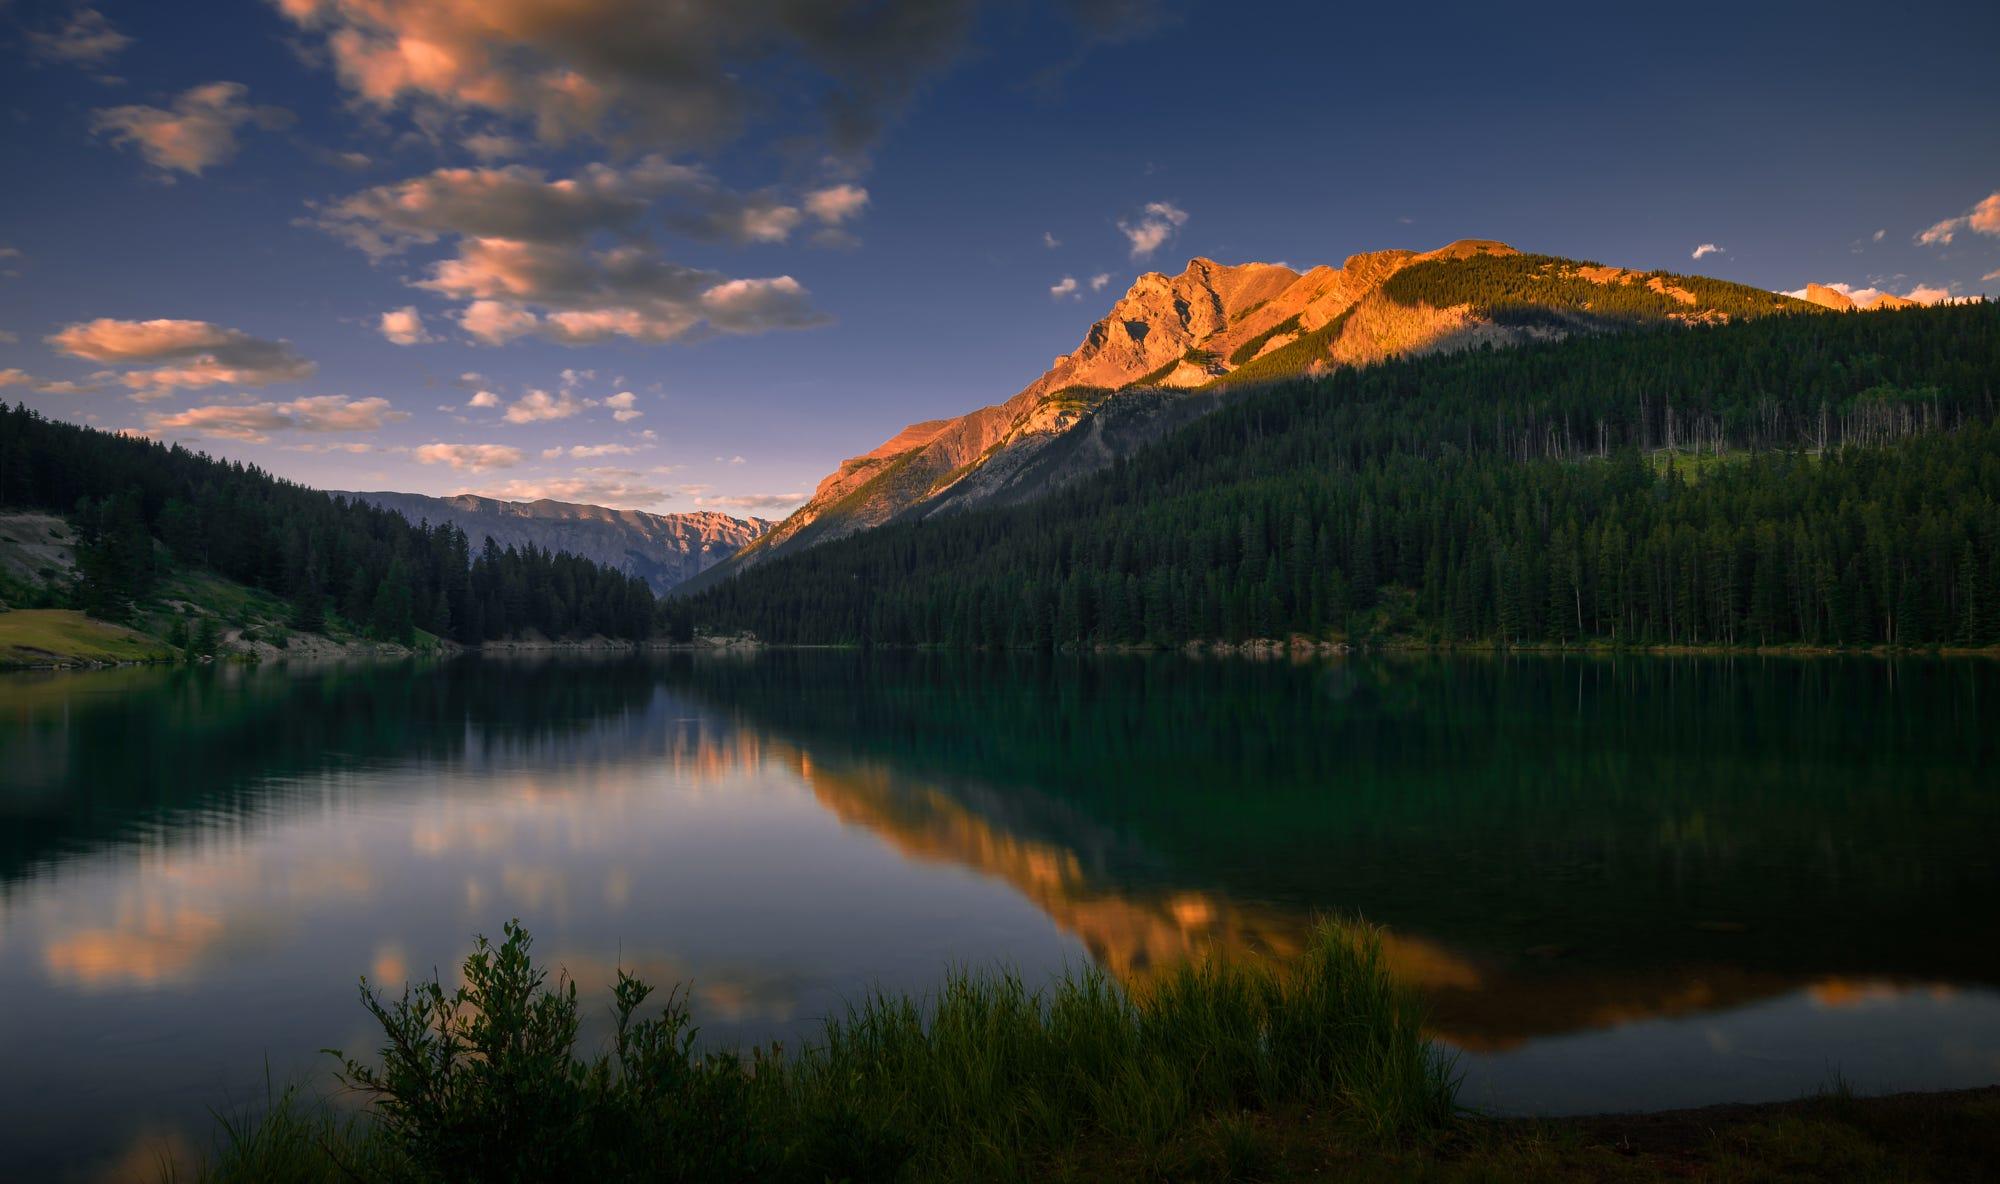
[[1174, 347], [663, 549]]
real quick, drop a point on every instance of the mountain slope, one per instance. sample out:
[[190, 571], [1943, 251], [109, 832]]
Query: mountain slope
[[1831, 480], [663, 549], [1175, 348]]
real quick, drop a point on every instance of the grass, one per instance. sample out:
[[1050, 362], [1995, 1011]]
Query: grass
[[986, 1079], [36, 636], [1315, 1070]]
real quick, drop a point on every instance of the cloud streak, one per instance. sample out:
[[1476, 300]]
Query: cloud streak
[[750, 502], [469, 458], [596, 485], [171, 354], [256, 422], [1983, 218]]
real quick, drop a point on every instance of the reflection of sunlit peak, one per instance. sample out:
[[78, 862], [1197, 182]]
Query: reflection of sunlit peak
[[1426, 965], [1836, 993], [1192, 910]]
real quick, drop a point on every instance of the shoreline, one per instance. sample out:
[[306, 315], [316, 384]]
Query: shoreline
[[1940, 1135], [1254, 649]]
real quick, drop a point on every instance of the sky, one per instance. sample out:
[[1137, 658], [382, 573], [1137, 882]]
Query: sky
[[690, 256]]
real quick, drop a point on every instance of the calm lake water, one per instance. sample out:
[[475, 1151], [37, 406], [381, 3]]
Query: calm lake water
[[1628, 883]]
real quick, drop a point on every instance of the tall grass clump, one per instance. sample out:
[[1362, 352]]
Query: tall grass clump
[[986, 1079]]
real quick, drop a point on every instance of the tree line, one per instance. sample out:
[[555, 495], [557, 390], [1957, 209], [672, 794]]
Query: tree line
[[1817, 479], [140, 507]]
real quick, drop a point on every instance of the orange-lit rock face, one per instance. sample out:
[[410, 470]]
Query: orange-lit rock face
[[1827, 297]]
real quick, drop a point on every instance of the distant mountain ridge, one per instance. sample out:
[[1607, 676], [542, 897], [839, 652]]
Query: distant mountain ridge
[[1174, 348], [665, 550]]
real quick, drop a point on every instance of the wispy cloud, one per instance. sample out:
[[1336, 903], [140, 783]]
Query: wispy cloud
[[538, 406], [588, 451], [469, 458], [624, 407], [1983, 218], [1155, 224], [1064, 288], [199, 131], [175, 353], [748, 502], [86, 39], [592, 485], [1706, 249], [255, 422], [405, 326]]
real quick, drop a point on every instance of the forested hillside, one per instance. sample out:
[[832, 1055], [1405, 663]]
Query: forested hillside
[[1832, 480], [139, 506]]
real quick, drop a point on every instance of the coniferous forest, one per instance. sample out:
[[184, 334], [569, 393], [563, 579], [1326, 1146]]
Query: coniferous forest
[[1818, 479], [139, 506]]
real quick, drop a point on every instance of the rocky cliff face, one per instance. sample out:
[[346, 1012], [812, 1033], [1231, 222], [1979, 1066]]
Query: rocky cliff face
[[1832, 298], [1174, 347], [1840, 301], [664, 549]]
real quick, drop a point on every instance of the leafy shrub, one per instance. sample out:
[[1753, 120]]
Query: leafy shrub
[[480, 1084]]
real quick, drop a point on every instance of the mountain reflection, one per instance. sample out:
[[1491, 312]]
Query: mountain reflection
[[1555, 846]]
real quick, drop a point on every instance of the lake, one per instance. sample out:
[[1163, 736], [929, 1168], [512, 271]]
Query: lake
[[1620, 883]]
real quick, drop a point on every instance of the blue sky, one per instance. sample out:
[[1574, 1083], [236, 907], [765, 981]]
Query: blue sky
[[732, 245]]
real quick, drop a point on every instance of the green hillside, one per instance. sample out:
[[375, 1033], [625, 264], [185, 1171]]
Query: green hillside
[[1532, 287]]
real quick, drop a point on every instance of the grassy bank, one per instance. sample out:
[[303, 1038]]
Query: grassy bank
[[36, 636], [985, 1079]]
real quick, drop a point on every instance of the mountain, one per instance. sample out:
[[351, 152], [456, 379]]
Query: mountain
[[663, 549], [1817, 479], [1174, 348]]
